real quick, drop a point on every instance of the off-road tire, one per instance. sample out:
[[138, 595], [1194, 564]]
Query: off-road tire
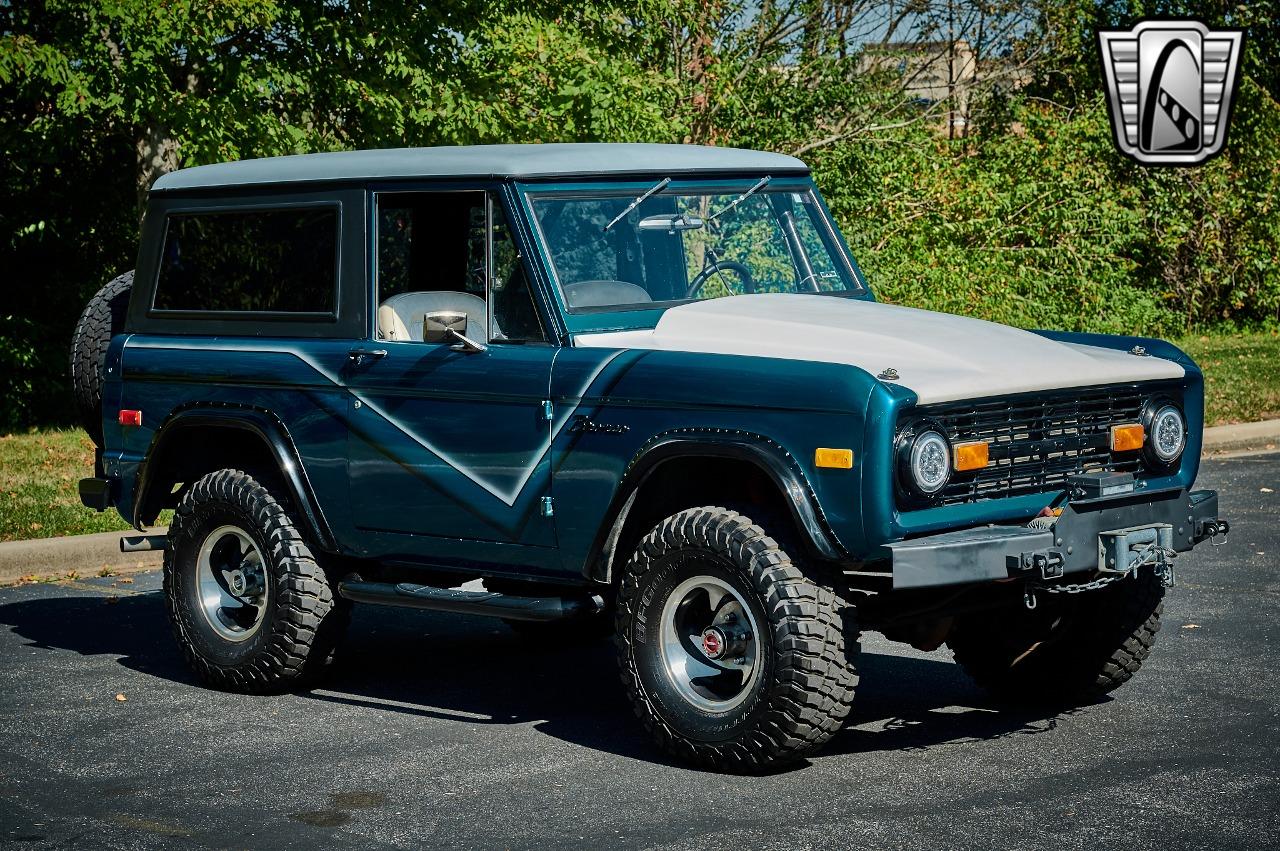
[[304, 618], [809, 649], [1066, 651], [102, 319]]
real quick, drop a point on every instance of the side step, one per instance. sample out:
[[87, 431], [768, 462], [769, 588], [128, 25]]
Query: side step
[[487, 603]]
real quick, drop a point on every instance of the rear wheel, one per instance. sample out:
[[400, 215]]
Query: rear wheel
[[732, 656], [102, 319], [1071, 648], [250, 607]]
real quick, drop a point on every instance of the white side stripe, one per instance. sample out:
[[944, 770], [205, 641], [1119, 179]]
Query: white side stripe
[[508, 498]]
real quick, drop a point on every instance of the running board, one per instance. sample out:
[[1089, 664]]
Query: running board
[[456, 600]]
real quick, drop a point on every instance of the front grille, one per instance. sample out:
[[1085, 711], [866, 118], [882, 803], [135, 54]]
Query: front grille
[[1038, 441]]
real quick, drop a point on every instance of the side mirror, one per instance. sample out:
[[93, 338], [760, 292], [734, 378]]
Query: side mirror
[[449, 326], [670, 223], [437, 325]]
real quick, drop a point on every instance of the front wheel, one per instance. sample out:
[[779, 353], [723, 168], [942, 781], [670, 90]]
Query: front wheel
[[251, 608], [1071, 649], [732, 656]]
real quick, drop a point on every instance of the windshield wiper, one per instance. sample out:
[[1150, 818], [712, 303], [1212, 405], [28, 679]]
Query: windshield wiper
[[760, 184], [658, 187]]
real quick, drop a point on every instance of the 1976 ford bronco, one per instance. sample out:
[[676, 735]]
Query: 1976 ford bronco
[[640, 389]]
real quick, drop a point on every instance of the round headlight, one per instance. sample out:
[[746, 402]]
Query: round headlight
[[1168, 433], [930, 462]]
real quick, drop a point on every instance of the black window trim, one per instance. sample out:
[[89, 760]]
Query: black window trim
[[331, 316]]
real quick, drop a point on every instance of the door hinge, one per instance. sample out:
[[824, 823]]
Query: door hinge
[[548, 507], [548, 409]]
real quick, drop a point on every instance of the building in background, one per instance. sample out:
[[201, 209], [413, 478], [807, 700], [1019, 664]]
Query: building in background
[[945, 77]]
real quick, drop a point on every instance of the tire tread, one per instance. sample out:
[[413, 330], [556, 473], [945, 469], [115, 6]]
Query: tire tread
[[1111, 635], [306, 618], [814, 636], [102, 318]]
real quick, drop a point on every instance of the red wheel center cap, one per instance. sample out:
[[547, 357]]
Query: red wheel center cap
[[712, 643]]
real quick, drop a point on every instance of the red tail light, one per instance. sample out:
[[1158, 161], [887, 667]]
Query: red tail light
[[131, 418]]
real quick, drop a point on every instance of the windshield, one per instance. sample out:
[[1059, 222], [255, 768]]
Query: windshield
[[653, 246]]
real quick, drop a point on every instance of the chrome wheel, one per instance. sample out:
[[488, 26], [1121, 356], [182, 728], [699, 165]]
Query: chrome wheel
[[232, 583], [709, 644]]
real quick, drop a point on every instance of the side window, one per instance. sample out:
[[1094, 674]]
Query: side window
[[256, 261], [450, 251]]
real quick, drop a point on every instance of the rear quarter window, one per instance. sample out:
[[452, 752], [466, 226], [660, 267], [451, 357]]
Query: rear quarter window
[[252, 261]]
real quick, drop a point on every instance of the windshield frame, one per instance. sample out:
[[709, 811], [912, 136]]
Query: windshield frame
[[630, 317]]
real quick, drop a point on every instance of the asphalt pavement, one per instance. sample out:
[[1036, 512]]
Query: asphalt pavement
[[448, 731]]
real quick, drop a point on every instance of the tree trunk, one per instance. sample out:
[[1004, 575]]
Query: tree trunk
[[697, 71], [157, 155]]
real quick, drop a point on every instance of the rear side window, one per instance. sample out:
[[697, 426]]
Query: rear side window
[[256, 261]]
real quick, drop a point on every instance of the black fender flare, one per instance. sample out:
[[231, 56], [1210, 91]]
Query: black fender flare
[[769, 456], [275, 437]]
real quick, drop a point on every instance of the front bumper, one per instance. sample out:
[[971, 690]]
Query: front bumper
[[1070, 545]]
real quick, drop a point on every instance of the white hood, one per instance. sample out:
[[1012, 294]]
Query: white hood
[[939, 356]]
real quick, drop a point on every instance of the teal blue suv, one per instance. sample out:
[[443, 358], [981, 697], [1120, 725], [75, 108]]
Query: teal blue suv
[[639, 390]]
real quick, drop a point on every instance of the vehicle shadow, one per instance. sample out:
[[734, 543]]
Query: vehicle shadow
[[478, 671]]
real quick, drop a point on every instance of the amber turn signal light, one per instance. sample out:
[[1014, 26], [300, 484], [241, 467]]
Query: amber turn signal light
[[839, 459], [1127, 438], [971, 456]]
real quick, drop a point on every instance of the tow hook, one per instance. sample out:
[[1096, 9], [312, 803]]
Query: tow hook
[[1121, 554], [1048, 563], [1208, 530]]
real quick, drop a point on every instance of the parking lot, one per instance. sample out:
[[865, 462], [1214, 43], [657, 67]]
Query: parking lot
[[447, 731]]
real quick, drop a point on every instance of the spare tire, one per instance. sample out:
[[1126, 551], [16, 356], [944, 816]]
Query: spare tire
[[102, 319]]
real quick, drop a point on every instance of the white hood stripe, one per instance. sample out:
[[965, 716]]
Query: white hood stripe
[[941, 357]]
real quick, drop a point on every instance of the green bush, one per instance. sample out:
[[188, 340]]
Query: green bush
[[1047, 226], [1035, 220]]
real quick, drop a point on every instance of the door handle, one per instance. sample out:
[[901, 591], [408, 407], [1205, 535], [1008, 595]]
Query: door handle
[[358, 355]]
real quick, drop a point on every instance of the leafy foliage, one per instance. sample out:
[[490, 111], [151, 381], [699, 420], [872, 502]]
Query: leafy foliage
[[1020, 211], [38, 474]]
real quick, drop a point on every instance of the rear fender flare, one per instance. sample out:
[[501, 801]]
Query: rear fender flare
[[274, 436]]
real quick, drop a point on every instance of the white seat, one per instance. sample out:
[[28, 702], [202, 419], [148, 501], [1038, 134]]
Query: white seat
[[400, 317], [390, 327]]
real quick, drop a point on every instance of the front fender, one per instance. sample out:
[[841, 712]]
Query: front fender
[[768, 456], [641, 407]]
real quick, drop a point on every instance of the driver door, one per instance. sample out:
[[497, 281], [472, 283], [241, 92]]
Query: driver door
[[449, 442]]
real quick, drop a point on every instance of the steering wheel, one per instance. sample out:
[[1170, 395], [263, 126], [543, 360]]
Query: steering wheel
[[748, 282]]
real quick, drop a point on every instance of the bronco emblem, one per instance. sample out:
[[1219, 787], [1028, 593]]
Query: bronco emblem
[[1169, 87]]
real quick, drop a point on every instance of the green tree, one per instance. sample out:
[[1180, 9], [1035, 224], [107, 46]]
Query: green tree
[[1020, 211]]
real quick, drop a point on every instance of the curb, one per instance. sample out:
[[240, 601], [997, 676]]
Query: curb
[[1243, 437], [84, 555]]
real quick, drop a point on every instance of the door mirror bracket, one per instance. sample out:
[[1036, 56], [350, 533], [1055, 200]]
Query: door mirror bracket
[[463, 343]]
